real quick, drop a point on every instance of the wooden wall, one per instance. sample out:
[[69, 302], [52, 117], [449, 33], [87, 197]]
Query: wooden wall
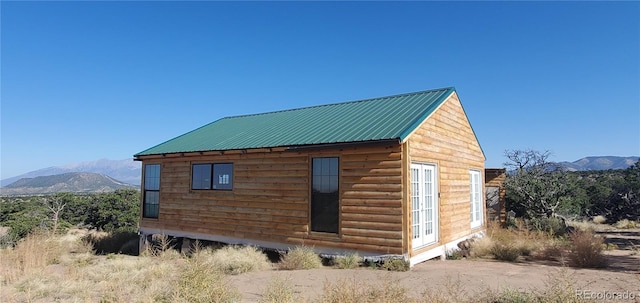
[[495, 177], [446, 139], [270, 198]]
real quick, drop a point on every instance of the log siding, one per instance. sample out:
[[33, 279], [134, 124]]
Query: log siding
[[447, 140], [270, 199]]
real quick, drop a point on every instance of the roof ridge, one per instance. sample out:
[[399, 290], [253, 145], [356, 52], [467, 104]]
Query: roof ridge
[[339, 103]]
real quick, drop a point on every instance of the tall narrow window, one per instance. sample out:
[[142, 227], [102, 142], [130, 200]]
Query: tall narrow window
[[151, 199], [324, 195], [476, 198]]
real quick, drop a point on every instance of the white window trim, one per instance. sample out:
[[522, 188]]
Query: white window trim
[[475, 195]]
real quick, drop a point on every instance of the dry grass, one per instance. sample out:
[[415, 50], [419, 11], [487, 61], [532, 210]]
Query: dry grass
[[353, 290], [599, 219], [348, 261], [65, 269], [481, 248], [508, 244], [586, 250], [201, 281], [280, 291], [239, 259], [300, 257], [626, 224]]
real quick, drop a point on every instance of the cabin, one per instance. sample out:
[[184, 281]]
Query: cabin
[[392, 177]]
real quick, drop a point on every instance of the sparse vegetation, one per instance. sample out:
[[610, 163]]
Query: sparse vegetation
[[30, 272], [235, 260], [347, 261], [300, 257], [599, 219], [395, 265], [353, 290], [280, 291], [586, 250], [505, 252]]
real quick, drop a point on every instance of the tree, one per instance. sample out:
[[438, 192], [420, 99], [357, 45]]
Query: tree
[[55, 204], [536, 186]]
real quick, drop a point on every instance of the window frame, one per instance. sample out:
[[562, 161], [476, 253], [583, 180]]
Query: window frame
[[213, 183], [148, 187], [475, 195], [334, 229]]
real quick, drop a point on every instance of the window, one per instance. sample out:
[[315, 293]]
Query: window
[[324, 195], [212, 176], [151, 199], [476, 198], [201, 176]]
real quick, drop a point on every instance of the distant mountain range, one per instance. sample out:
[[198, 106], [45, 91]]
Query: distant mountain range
[[128, 171], [67, 182], [599, 163]]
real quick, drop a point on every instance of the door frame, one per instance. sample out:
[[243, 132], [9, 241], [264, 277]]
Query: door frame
[[422, 168]]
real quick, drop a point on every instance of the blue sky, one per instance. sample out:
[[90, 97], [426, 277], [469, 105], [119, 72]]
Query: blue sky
[[82, 81]]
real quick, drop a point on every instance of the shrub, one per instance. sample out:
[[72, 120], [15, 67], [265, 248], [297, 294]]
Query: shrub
[[279, 291], [553, 226], [348, 261], [455, 255], [352, 291], [508, 296], [395, 265], [200, 281], [300, 257], [551, 251], [506, 252], [236, 260], [482, 247], [586, 250], [599, 219], [625, 224]]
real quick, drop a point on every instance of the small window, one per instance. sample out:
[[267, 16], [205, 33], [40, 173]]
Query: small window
[[217, 176], [223, 176], [151, 199]]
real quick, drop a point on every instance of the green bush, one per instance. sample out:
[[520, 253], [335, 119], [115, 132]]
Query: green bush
[[553, 226]]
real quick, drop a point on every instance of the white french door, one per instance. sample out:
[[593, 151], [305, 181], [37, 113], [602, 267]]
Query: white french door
[[424, 204]]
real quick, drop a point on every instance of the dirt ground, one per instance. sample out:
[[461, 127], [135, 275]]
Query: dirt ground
[[474, 276]]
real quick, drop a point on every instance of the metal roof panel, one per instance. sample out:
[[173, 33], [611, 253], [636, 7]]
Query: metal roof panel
[[384, 118]]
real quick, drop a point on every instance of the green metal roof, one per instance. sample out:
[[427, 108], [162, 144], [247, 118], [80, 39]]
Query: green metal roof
[[385, 118]]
